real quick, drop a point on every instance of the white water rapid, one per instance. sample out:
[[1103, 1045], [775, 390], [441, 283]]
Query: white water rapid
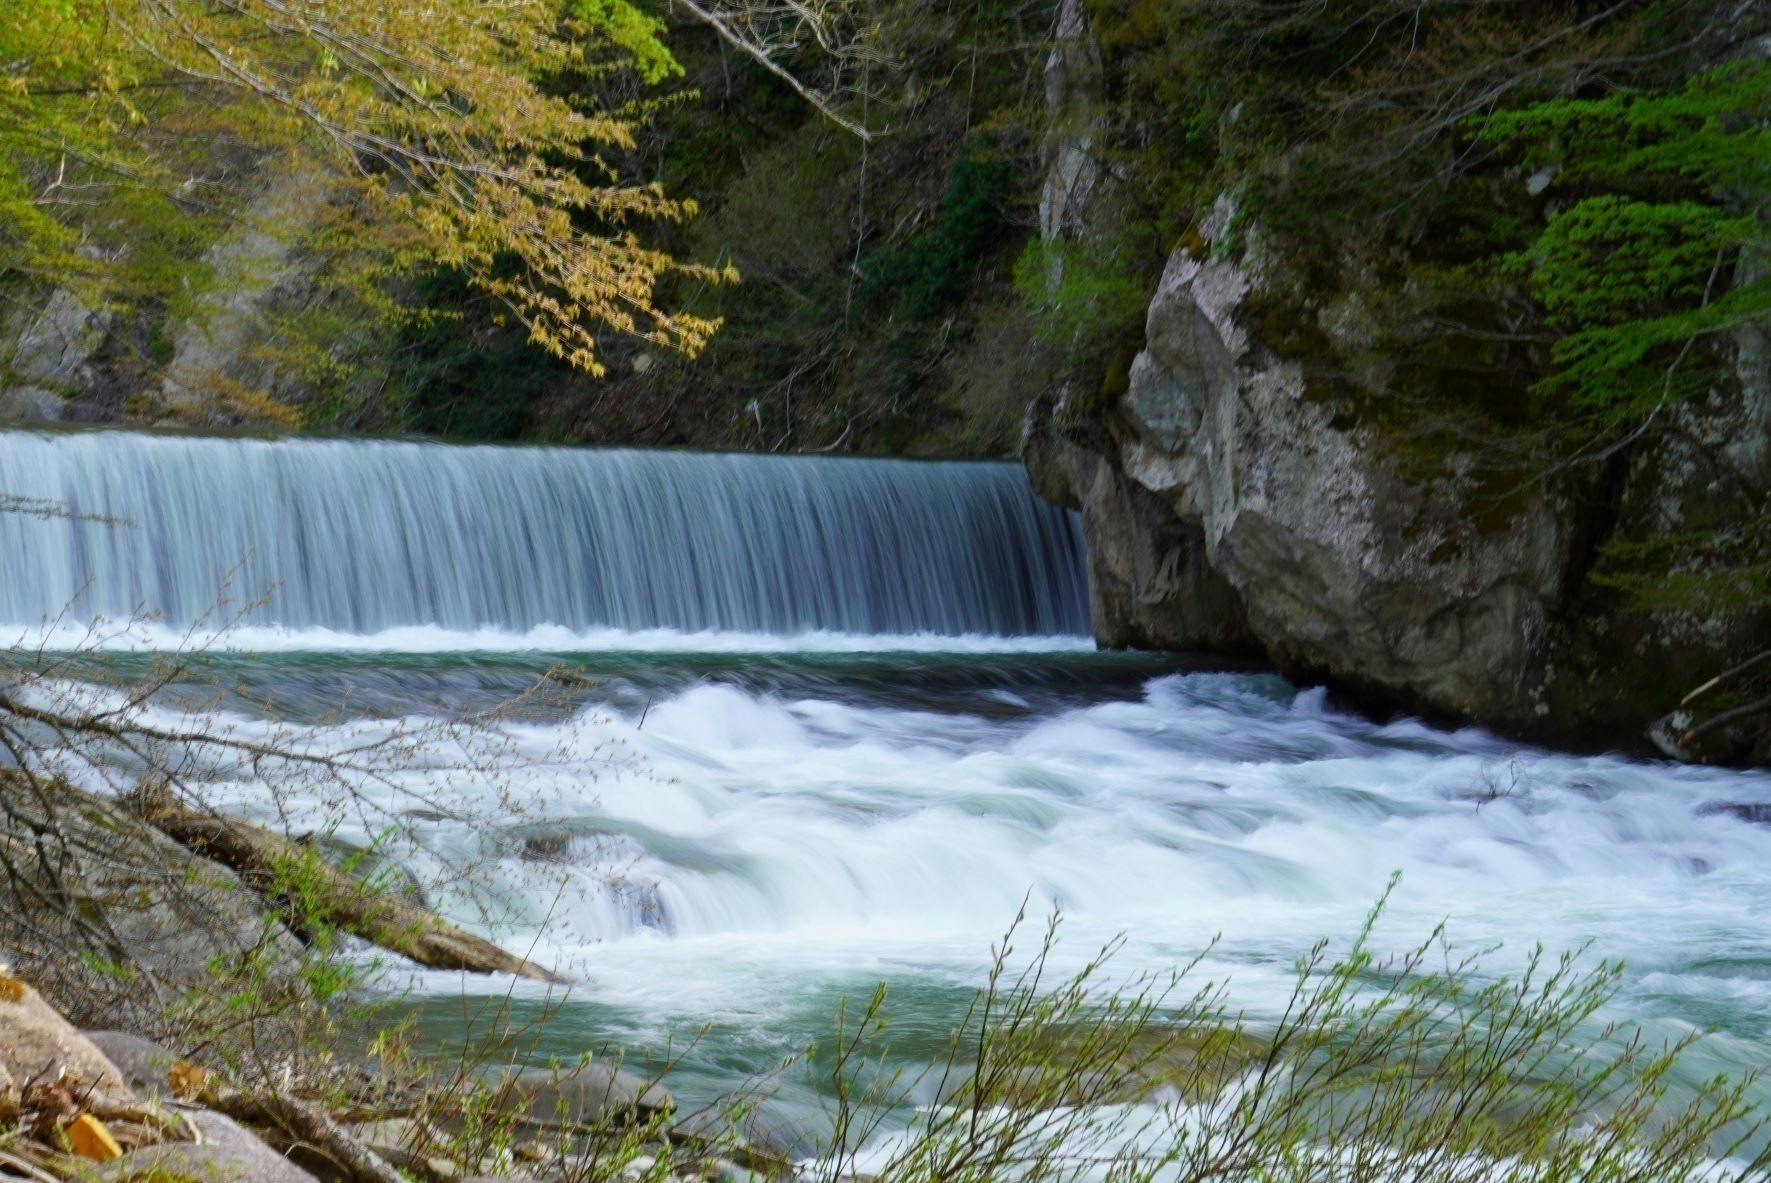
[[783, 779]]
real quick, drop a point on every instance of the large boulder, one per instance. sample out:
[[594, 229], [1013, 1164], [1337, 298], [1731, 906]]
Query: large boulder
[[1150, 584], [1261, 471], [229, 1153], [586, 1092], [110, 917], [1349, 566]]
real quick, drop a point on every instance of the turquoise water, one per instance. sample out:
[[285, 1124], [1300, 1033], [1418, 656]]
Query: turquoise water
[[784, 729], [719, 848]]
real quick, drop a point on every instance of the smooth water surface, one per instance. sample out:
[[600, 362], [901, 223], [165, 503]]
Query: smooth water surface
[[360, 537]]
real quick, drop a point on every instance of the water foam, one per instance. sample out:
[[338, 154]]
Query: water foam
[[724, 840], [148, 636]]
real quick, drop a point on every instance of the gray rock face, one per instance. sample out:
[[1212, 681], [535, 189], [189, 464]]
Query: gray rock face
[[64, 359], [1073, 81], [30, 404], [57, 346], [257, 266], [1225, 490], [1150, 584], [51, 358], [229, 1153], [1346, 567]]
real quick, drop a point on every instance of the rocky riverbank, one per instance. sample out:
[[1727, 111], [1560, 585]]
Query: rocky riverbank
[[217, 1044], [109, 1106]]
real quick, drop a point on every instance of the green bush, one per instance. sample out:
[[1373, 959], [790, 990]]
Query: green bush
[[1085, 296], [1643, 261], [932, 271], [1419, 1068]]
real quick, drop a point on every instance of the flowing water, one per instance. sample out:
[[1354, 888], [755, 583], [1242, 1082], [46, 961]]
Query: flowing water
[[832, 722], [364, 537]]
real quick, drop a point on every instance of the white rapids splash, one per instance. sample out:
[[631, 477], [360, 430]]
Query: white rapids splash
[[151, 636], [850, 727], [747, 857]]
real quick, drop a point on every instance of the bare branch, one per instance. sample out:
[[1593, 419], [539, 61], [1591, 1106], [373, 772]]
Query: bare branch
[[771, 33]]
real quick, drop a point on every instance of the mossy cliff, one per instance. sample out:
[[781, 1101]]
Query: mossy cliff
[[1339, 443]]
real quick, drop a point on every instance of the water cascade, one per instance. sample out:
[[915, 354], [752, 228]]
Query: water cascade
[[836, 725], [365, 536]]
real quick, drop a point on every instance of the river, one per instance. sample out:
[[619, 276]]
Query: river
[[814, 724]]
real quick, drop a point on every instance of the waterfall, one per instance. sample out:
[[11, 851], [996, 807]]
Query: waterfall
[[366, 536]]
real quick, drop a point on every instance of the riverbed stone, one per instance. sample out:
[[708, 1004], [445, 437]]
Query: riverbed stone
[[587, 1092], [766, 1127], [38, 1044], [143, 1063], [171, 917], [229, 1153]]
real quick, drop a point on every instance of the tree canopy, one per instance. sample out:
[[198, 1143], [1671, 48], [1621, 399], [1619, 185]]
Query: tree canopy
[[1660, 201], [448, 132]]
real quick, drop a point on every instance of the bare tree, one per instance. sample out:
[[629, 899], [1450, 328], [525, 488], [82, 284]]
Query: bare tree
[[825, 51]]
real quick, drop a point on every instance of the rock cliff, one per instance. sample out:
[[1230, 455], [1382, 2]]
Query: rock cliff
[[1258, 482], [1229, 499]]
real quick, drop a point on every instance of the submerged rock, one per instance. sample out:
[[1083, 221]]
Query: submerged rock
[[544, 845], [588, 1092], [1755, 813]]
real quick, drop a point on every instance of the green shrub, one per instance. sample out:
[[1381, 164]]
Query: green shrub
[[1417, 1068], [1085, 296], [933, 270], [1643, 261]]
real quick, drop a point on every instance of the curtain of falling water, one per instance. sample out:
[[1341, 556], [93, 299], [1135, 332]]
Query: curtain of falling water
[[362, 536]]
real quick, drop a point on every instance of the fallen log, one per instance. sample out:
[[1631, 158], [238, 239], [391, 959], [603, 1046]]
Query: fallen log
[[265, 860]]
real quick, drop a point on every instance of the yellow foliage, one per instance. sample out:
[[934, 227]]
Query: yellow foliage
[[186, 1080], [440, 121]]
